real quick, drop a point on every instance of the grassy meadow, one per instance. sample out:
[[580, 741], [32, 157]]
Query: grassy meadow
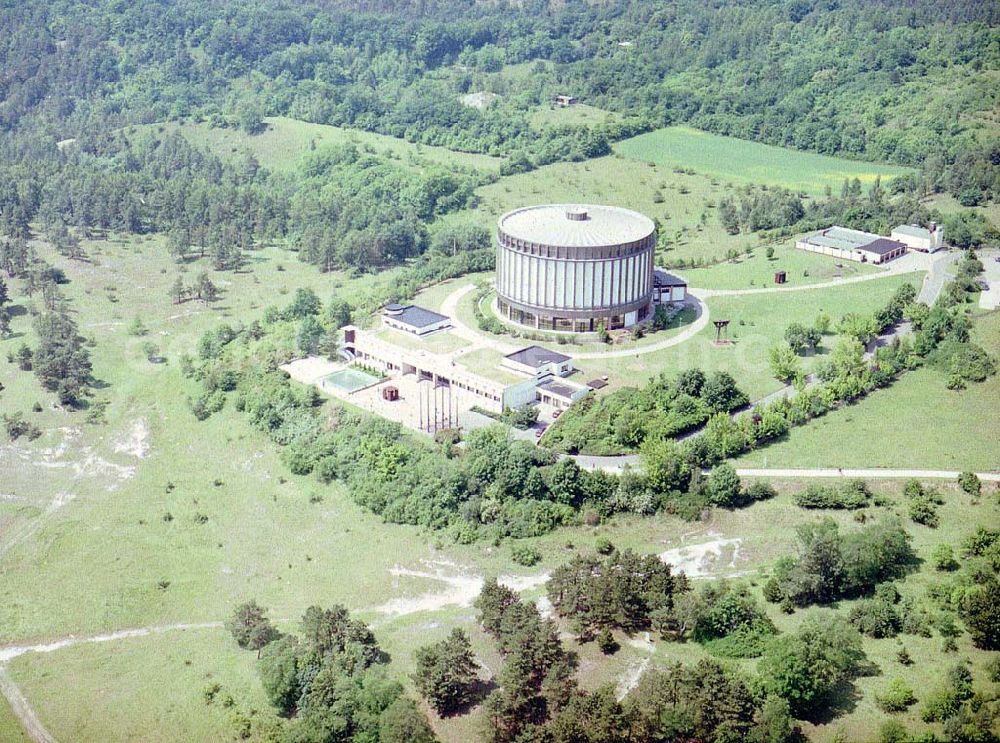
[[757, 270], [685, 205], [284, 141], [742, 162], [579, 114]]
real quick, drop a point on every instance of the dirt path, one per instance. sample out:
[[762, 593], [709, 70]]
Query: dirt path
[[22, 710]]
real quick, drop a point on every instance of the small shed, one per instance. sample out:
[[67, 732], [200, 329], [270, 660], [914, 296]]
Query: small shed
[[565, 100], [780, 277], [390, 393]]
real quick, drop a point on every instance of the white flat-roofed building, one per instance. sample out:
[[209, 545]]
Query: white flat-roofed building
[[560, 393], [541, 368], [924, 239]]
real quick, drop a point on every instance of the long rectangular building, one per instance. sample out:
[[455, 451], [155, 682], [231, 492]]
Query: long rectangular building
[[538, 366], [852, 245]]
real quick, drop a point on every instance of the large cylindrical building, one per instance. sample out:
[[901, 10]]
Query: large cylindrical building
[[572, 268]]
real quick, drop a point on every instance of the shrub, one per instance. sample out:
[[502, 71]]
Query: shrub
[[922, 511], [875, 618], [851, 495], [970, 483], [943, 558], [604, 546], [522, 418], [892, 731], [525, 555], [897, 697], [760, 490]]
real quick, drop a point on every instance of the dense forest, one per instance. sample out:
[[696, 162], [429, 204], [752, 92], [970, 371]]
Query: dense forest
[[902, 82]]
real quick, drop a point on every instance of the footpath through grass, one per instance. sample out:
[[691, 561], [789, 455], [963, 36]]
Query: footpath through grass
[[742, 162]]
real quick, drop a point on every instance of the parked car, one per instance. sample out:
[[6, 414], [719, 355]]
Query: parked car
[[556, 413]]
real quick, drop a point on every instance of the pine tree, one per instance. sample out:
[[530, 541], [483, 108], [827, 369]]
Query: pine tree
[[178, 292]]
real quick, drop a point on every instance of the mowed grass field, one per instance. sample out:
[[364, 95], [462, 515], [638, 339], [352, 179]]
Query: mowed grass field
[[742, 162], [551, 114], [916, 423], [284, 141]]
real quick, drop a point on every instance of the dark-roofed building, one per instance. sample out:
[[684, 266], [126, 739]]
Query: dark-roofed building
[[537, 361], [413, 319], [667, 287], [883, 249]]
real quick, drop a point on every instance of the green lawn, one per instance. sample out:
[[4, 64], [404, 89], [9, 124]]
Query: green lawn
[[757, 321], [486, 361], [283, 143], [916, 423], [743, 162], [800, 267], [441, 342]]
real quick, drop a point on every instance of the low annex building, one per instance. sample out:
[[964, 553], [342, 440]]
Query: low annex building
[[852, 245], [541, 368], [413, 319], [537, 361], [667, 287], [924, 239]]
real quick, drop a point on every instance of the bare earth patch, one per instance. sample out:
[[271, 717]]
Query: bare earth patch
[[461, 587], [135, 441], [712, 559]]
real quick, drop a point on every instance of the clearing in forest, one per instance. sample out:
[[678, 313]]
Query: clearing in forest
[[741, 162]]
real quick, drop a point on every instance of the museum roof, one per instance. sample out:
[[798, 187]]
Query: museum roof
[[576, 225], [841, 238], [536, 356]]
